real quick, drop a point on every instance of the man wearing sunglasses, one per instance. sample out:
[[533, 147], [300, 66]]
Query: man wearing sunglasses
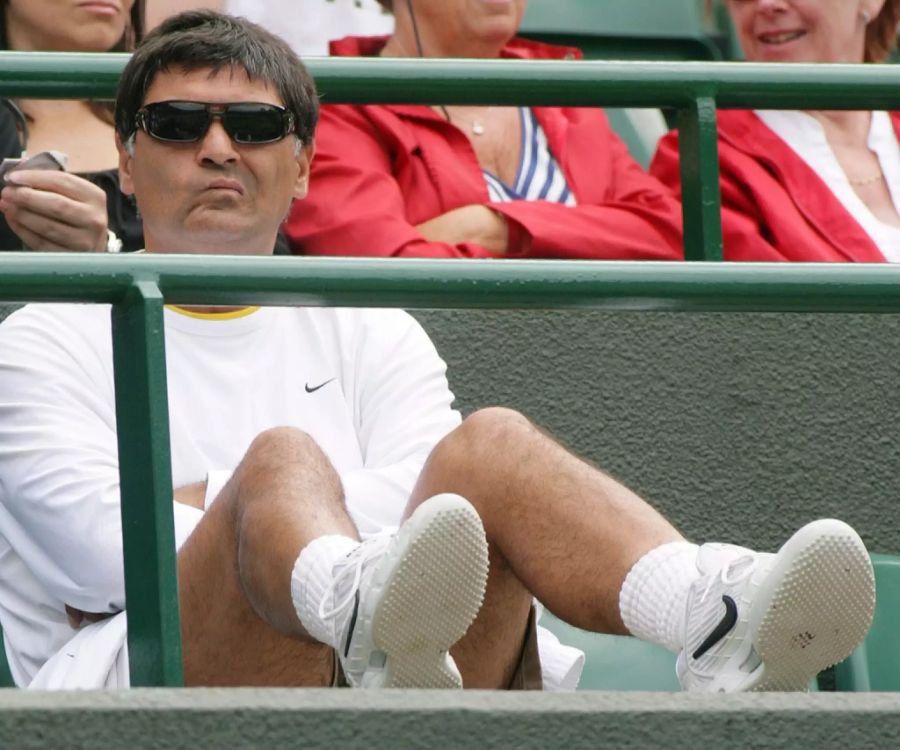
[[303, 438]]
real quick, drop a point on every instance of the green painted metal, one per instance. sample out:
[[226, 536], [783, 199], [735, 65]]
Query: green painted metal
[[6, 679], [694, 90], [420, 283], [699, 151], [138, 285], [142, 418], [559, 83]]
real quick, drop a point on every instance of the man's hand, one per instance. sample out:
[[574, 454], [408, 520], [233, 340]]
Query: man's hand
[[477, 224], [192, 494], [76, 616], [52, 210]]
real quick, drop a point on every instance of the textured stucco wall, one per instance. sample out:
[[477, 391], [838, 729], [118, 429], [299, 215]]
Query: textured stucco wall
[[363, 720], [739, 427]]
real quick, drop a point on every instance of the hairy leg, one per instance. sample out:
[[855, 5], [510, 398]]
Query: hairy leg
[[238, 622], [559, 529]]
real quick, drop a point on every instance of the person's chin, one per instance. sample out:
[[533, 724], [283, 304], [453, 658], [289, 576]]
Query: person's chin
[[497, 33], [228, 238], [795, 51]]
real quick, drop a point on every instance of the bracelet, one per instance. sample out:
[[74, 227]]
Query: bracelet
[[113, 243]]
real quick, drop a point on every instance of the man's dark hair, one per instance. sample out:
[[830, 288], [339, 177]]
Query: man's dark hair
[[196, 40]]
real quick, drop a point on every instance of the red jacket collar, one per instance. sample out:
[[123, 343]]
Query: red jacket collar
[[517, 48], [745, 132]]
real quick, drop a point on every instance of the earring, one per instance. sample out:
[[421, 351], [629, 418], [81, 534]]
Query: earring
[[866, 17]]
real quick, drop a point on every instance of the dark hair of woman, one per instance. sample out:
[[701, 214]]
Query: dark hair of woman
[[134, 32]]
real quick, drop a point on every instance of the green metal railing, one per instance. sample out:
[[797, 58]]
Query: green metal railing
[[694, 90], [138, 286]]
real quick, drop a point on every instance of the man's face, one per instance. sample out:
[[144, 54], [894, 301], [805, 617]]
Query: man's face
[[215, 195]]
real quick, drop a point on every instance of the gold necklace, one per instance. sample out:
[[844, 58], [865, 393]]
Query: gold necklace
[[860, 182], [476, 126]]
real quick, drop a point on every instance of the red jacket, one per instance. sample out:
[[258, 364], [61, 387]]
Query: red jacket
[[380, 170], [774, 206]]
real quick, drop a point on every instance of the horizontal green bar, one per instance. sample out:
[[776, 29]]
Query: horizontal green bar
[[419, 283], [557, 83]]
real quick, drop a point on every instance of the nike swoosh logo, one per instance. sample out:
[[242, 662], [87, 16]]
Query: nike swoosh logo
[[352, 623], [314, 388], [728, 621]]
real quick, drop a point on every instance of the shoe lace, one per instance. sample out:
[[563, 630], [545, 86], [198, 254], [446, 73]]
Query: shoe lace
[[734, 571], [352, 564]]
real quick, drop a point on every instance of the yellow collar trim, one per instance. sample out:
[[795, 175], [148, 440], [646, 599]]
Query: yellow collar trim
[[242, 312]]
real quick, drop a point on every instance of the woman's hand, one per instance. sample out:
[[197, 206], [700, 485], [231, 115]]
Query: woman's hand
[[52, 210], [476, 223]]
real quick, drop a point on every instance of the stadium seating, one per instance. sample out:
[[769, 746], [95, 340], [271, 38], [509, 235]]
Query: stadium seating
[[640, 129], [6, 679], [622, 29], [625, 29], [875, 665], [616, 662]]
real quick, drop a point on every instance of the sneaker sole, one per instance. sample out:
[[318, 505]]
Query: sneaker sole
[[432, 595], [819, 609]]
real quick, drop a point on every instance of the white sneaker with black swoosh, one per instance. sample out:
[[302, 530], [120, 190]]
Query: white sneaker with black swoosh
[[756, 621], [414, 594]]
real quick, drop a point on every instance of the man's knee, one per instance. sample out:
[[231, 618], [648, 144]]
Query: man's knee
[[282, 443], [279, 453], [482, 434], [492, 427]]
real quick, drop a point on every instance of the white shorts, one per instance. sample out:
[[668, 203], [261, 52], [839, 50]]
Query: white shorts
[[96, 657]]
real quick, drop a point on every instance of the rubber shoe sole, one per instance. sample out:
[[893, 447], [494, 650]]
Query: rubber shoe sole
[[432, 595], [814, 607]]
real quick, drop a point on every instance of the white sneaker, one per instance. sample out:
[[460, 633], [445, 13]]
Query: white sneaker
[[757, 621], [415, 593]]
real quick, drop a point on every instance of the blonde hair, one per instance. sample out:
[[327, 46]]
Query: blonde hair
[[881, 33]]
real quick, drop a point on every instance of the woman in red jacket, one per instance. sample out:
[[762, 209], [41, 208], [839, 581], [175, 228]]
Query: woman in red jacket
[[813, 185], [461, 181]]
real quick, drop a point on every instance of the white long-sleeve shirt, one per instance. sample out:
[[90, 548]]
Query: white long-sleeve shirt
[[228, 380], [366, 385]]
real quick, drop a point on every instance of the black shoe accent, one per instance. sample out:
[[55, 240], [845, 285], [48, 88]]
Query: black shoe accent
[[352, 623], [728, 621]]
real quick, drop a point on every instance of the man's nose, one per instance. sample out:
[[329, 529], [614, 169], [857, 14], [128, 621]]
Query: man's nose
[[216, 145], [771, 5]]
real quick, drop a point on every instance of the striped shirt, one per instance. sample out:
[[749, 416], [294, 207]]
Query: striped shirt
[[539, 177]]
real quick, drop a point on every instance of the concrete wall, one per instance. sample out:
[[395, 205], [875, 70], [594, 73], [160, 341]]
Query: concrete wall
[[395, 720], [739, 427]]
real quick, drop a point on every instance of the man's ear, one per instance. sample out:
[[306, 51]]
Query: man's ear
[[126, 183], [304, 163]]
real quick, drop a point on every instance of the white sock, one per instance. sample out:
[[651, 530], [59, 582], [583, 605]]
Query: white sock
[[653, 596], [311, 578]]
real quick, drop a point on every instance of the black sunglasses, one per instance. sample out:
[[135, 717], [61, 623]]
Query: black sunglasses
[[187, 122]]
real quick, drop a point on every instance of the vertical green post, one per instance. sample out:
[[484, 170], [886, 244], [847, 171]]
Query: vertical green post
[[142, 418], [700, 195]]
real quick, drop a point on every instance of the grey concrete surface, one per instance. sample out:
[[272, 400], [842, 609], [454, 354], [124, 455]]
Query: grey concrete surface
[[739, 427], [239, 718]]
